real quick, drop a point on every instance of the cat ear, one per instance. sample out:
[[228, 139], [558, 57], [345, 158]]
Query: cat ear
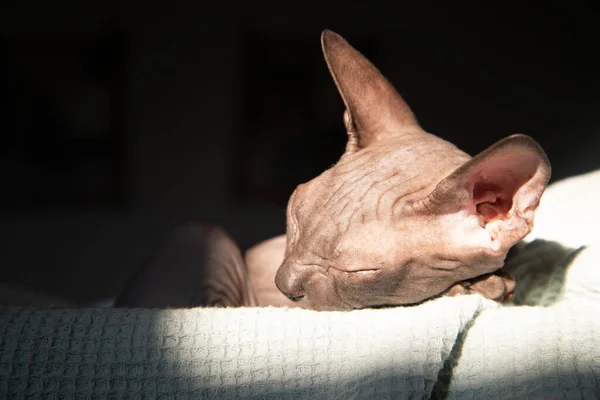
[[374, 109], [501, 186]]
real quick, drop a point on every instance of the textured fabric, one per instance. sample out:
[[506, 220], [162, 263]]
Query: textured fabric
[[546, 345], [230, 353], [568, 213], [548, 350], [527, 352], [464, 347]]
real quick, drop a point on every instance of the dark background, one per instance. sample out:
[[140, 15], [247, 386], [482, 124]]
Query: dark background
[[121, 120]]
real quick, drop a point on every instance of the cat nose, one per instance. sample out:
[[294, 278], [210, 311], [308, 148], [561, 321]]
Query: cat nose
[[288, 282], [293, 297]]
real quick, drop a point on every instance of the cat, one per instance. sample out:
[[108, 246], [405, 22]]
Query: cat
[[404, 215]]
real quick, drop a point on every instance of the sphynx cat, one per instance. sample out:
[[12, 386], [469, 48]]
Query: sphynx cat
[[402, 217]]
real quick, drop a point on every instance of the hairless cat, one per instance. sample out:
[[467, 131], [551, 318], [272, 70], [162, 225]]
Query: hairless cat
[[402, 217]]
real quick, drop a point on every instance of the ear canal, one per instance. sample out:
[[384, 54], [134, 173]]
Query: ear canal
[[502, 186], [373, 106]]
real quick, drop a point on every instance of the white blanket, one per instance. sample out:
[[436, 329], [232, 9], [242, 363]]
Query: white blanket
[[547, 345]]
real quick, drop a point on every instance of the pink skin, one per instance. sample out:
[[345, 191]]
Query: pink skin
[[404, 215]]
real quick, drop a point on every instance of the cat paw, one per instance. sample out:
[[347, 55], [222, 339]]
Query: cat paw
[[499, 286]]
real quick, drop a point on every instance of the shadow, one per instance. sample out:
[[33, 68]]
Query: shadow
[[199, 265], [539, 268]]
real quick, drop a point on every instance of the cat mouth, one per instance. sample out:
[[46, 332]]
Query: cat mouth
[[347, 279]]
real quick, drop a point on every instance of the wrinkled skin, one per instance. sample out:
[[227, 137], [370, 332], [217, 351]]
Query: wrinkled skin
[[404, 215]]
